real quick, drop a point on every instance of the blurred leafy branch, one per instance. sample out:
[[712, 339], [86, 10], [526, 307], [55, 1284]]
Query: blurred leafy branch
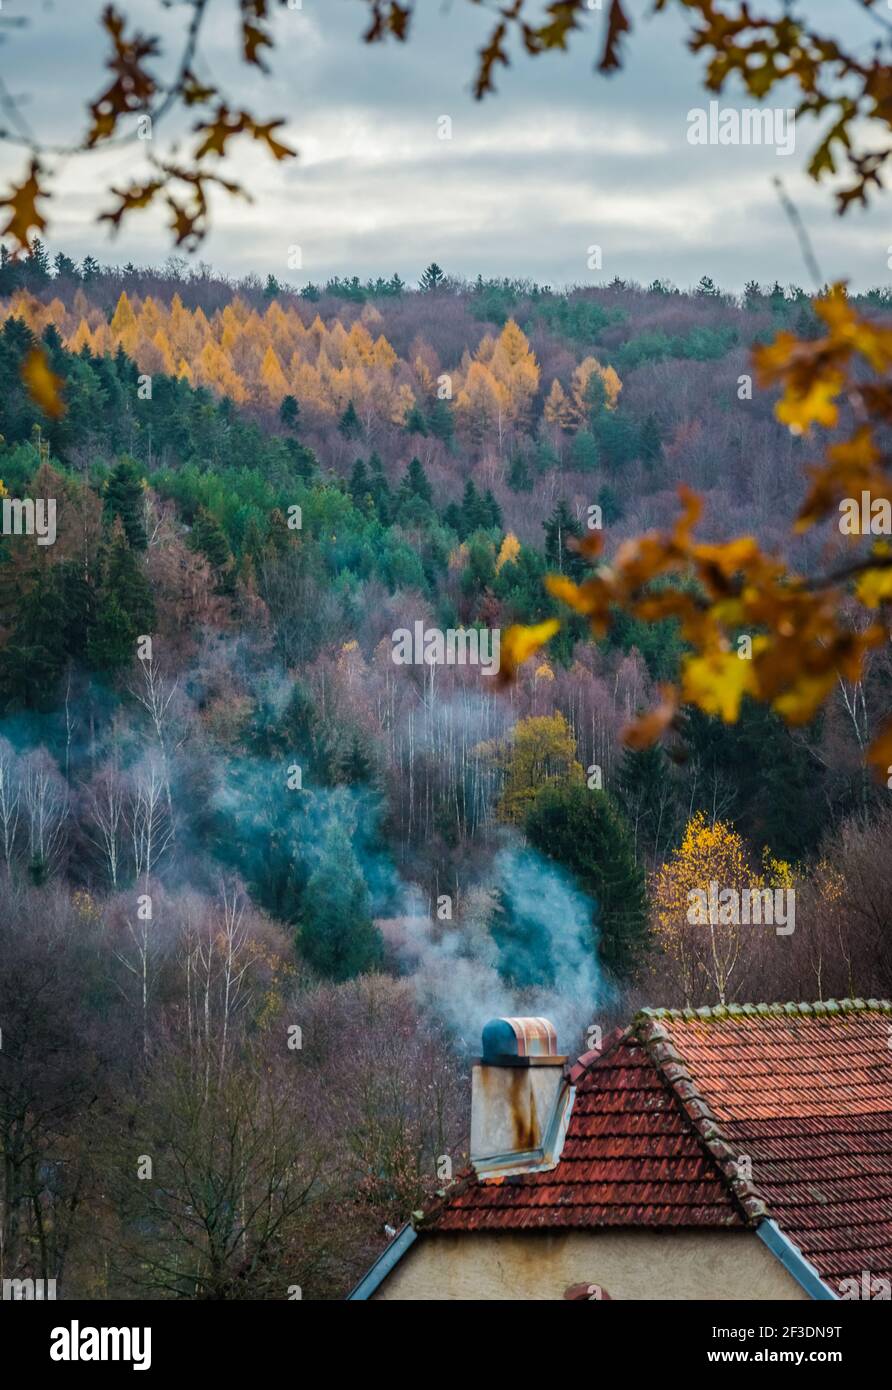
[[762, 50], [133, 103]]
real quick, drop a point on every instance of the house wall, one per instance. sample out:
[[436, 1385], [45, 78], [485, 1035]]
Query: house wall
[[627, 1264]]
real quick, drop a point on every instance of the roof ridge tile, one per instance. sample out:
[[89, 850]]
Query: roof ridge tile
[[654, 1039], [791, 1009]]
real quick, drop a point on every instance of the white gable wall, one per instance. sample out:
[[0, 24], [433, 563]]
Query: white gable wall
[[629, 1264]]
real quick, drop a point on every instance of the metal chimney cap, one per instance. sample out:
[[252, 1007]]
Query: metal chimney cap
[[506, 1039]]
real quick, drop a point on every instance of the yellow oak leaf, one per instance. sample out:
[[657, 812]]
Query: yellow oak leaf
[[44, 387], [717, 682], [644, 731], [520, 642], [24, 213], [814, 406], [875, 587]]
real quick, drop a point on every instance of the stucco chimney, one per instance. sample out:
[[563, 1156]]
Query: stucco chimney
[[520, 1098]]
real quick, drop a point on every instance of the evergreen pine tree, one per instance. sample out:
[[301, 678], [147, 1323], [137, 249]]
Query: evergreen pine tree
[[650, 444], [37, 264], [32, 661], [560, 528], [78, 605], [440, 421], [208, 538], [519, 476], [355, 768], [380, 490], [11, 272], [416, 482], [584, 452], [124, 578], [350, 425], [64, 267], [415, 421], [337, 936], [111, 644], [124, 499], [545, 456], [493, 511], [474, 511], [433, 278], [618, 438], [306, 464], [610, 504], [358, 486], [289, 413], [582, 830], [595, 399], [752, 295]]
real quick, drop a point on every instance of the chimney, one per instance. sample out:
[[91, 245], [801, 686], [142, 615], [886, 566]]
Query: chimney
[[520, 1098]]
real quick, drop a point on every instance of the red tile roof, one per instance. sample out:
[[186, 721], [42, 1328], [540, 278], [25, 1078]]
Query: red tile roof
[[665, 1113]]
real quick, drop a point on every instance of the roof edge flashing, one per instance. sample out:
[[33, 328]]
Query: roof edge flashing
[[794, 1262], [390, 1256]]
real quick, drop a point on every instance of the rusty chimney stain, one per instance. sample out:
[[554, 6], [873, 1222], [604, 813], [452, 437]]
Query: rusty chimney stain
[[519, 1097]]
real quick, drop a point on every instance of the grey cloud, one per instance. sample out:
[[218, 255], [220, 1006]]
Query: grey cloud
[[560, 159]]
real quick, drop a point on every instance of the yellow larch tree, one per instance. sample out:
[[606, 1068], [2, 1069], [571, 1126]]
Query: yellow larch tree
[[508, 551], [403, 401], [485, 349], [213, 368], [308, 387], [56, 312], [318, 332], [424, 374], [337, 344], [123, 319], [81, 338], [481, 403], [558, 409], [359, 346], [161, 344], [272, 378], [150, 318], [514, 364], [383, 354], [590, 367]]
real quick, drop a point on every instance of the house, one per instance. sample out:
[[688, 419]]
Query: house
[[739, 1152]]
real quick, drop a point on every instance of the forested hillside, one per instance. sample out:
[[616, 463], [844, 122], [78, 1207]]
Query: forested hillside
[[238, 841]]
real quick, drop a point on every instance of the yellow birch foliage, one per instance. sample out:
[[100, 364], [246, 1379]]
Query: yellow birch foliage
[[540, 750]]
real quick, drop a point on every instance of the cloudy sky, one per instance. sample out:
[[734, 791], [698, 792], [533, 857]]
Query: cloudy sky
[[560, 160]]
